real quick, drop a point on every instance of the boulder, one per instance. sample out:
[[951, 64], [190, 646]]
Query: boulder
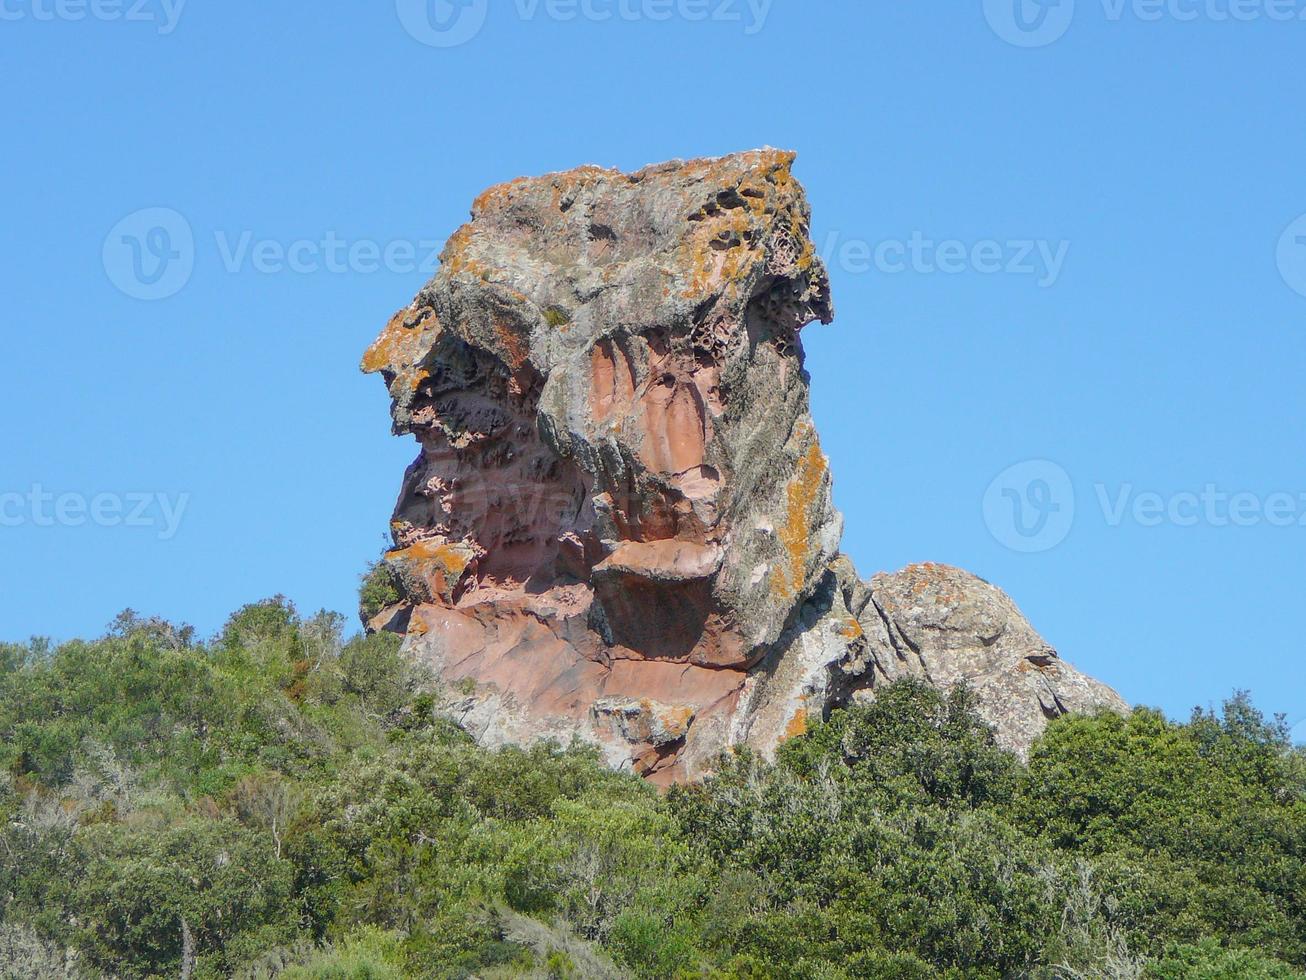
[[619, 527]]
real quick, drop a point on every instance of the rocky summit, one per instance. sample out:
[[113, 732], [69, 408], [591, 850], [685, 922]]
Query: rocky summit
[[619, 527]]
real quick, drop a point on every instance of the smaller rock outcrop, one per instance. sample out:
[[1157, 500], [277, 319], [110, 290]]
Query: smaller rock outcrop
[[950, 627], [935, 623]]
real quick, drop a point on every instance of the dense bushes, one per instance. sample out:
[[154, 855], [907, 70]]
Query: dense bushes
[[279, 802]]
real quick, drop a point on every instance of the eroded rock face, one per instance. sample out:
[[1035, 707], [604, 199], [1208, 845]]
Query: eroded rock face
[[619, 526]]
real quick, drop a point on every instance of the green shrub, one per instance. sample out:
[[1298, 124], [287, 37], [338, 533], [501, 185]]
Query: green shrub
[[282, 801], [379, 589]]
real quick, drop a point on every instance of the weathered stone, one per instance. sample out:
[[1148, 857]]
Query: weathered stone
[[930, 622], [619, 527]]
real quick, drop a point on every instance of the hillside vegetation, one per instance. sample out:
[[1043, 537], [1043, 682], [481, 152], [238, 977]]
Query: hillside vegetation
[[277, 801]]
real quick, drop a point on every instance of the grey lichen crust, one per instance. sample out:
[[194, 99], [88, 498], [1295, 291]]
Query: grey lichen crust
[[620, 525]]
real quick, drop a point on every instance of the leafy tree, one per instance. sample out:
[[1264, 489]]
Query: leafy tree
[[283, 801]]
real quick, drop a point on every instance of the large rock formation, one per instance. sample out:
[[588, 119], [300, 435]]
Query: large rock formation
[[620, 526]]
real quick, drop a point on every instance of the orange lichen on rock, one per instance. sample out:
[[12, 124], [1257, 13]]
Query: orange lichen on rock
[[417, 626], [607, 417], [940, 581], [797, 725], [722, 252], [676, 721], [795, 536], [432, 570], [514, 348], [400, 343]]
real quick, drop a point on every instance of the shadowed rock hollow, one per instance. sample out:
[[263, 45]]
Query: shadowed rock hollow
[[620, 525]]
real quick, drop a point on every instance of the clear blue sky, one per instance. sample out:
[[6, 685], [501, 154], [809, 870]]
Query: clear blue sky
[[1159, 350]]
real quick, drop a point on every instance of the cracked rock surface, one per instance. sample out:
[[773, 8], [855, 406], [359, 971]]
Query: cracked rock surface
[[619, 527]]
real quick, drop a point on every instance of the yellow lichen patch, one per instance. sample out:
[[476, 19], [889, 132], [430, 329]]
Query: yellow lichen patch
[[807, 258], [795, 537], [797, 725], [500, 195], [432, 571], [497, 196], [452, 559], [776, 164], [389, 351], [454, 257], [457, 260], [852, 630], [715, 269], [676, 721], [727, 244]]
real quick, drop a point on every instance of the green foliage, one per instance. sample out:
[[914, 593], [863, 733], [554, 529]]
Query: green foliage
[[1200, 829], [1209, 961], [367, 954], [282, 802], [379, 589], [138, 884]]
